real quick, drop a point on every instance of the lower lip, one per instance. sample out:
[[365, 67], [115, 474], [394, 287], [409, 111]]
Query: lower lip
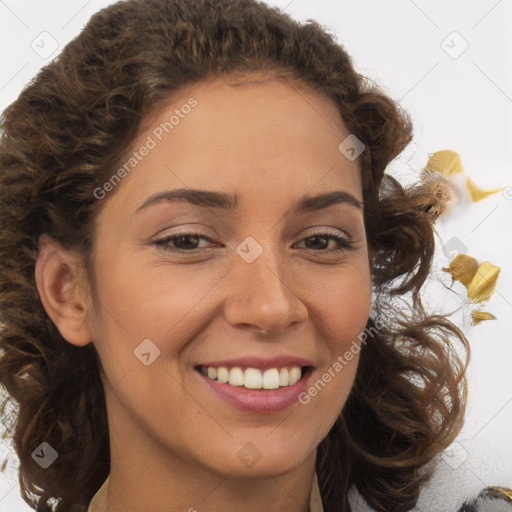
[[257, 401]]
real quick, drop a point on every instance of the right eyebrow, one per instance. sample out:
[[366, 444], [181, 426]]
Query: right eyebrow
[[205, 198]]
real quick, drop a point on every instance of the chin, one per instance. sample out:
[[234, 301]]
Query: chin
[[252, 461], [267, 466]]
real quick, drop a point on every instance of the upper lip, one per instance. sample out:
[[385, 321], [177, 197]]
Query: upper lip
[[260, 362]]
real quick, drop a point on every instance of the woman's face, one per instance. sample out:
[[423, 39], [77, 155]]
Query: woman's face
[[212, 256]]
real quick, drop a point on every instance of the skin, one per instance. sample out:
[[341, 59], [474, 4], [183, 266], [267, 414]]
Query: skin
[[174, 443]]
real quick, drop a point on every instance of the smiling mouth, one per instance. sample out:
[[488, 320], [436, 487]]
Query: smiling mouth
[[254, 378]]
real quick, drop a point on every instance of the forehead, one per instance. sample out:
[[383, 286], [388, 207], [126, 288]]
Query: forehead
[[250, 135]]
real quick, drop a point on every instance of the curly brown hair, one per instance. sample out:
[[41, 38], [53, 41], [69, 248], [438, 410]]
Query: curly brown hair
[[68, 130]]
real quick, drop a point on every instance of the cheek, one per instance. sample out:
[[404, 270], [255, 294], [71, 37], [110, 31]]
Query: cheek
[[341, 306], [346, 311], [153, 299], [342, 301], [166, 306]]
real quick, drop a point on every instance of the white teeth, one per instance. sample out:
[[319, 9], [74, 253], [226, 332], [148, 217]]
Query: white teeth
[[294, 375], [222, 374], [253, 378], [271, 379], [236, 377]]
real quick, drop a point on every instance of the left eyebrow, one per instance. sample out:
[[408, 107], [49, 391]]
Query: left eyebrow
[[226, 201], [313, 203]]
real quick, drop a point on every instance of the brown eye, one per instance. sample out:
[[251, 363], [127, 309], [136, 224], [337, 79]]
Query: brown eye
[[182, 242], [320, 242]]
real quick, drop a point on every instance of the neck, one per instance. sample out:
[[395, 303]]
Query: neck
[[150, 476], [195, 491]]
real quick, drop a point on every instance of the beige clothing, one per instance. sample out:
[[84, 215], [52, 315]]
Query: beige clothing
[[98, 500]]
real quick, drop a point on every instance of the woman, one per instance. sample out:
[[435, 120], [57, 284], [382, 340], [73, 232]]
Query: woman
[[195, 226]]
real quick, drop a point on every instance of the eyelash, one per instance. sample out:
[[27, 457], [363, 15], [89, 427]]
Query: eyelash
[[346, 244]]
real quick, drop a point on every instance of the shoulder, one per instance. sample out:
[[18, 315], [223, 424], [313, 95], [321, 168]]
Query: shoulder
[[470, 476], [98, 502]]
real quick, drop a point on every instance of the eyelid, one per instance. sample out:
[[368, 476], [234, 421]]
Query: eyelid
[[323, 230], [161, 241], [345, 242], [318, 230]]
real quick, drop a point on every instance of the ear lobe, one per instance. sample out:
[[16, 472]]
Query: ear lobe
[[63, 293]]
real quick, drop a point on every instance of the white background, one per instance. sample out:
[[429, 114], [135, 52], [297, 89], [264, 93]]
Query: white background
[[460, 102]]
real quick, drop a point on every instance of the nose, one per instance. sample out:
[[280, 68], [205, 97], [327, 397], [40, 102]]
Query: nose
[[262, 296]]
